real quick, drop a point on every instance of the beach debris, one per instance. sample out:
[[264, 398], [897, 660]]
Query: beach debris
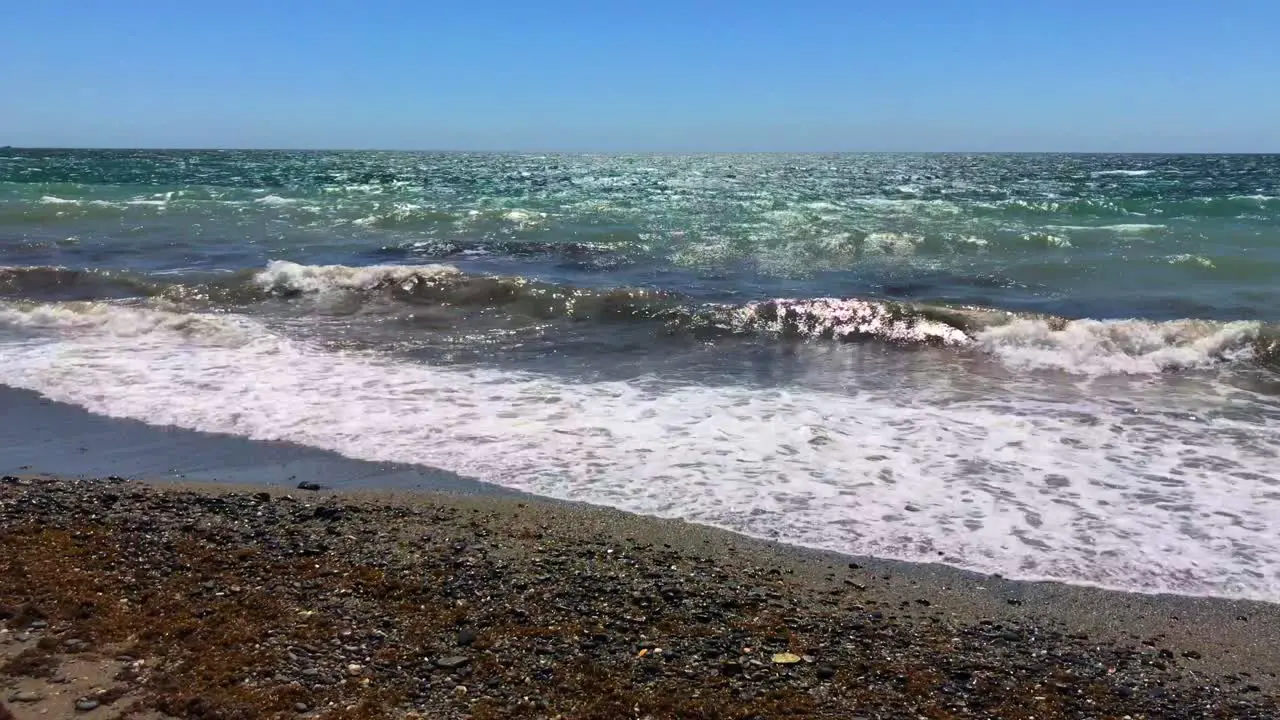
[[308, 485], [786, 658]]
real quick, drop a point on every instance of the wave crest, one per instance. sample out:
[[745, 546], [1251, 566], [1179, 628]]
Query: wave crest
[[465, 301]]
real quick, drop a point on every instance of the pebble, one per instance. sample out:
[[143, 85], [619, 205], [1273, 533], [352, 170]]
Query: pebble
[[453, 662], [637, 593], [305, 485], [26, 696], [87, 705]]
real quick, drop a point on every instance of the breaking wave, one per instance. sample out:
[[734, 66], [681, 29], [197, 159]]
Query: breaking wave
[[1020, 340]]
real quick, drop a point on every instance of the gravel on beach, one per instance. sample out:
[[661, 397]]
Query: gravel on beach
[[254, 602]]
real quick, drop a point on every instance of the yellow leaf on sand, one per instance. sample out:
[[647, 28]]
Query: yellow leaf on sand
[[785, 658]]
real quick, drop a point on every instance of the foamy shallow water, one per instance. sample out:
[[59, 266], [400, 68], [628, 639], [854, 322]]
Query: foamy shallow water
[[1134, 489]]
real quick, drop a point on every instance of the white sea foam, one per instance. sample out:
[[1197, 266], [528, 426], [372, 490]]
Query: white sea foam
[[1099, 491], [291, 277], [524, 218], [53, 200], [907, 207], [1117, 228], [1122, 173], [1189, 259], [276, 201], [1097, 347], [1047, 239], [847, 319]]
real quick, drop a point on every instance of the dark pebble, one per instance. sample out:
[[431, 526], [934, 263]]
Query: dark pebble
[[305, 485], [1192, 654], [825, 672], [453, 662], [466, 637], [87, 705]]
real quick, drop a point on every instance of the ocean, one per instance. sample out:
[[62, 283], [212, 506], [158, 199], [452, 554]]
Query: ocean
[[1052, 367]]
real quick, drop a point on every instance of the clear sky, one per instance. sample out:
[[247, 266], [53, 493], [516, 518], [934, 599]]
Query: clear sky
[[678, 75]]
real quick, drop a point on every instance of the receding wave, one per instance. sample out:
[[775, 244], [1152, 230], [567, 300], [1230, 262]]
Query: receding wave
[[1021, 340]]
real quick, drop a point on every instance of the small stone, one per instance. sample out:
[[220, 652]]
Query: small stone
[[911, 508], [306, 485], [38, 625], [1192, 654], [825, 672], [786, 658], [731, 668], [301, 707], [263, 497], [87, 705], [354, 669], [26, 696], [466, 637], [453, 662]]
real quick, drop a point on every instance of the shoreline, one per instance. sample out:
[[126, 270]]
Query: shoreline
[[68, 441], [589, 595]]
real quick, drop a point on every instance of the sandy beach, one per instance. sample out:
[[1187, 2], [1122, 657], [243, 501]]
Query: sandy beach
[[126, 599]]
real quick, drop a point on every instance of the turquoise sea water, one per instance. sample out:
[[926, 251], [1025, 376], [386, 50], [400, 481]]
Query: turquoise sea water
[[1050, 366]]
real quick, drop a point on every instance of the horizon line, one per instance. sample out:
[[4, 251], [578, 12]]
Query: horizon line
[[193, 148]]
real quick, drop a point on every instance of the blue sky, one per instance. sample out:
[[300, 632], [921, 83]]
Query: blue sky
[[971, 75]]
